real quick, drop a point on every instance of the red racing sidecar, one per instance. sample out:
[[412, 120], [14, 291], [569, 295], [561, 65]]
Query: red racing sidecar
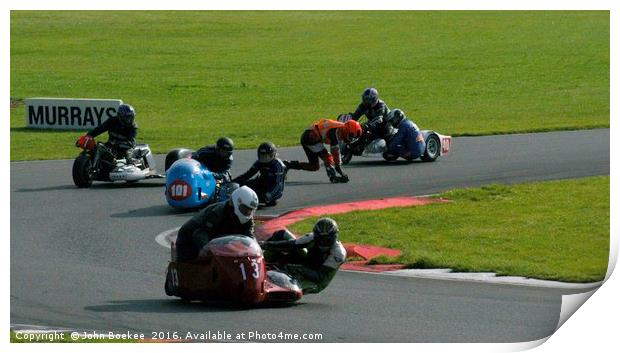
[[232, 269]]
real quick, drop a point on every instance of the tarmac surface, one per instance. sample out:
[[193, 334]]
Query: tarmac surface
[[87, 258]]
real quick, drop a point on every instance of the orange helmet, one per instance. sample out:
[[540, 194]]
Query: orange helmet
[[352, 130]]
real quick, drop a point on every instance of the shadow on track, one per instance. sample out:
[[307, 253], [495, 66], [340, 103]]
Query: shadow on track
[[176, 306], [153, 211], [49, 188], [379, 162], [102, 186], [304, 183], [121, 185]]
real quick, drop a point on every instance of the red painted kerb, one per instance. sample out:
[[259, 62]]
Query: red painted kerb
[[365, 252]]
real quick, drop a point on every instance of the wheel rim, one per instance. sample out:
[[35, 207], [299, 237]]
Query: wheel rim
[[432, 147], [90, 171]]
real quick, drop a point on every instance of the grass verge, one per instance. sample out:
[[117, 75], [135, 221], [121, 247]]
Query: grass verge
[[556, 230], [265, 75]]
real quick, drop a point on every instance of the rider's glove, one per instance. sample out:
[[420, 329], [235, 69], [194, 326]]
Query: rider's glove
[[85, 141], [223, 177], [371, 125]]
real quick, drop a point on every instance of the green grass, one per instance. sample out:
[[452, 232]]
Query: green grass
[[194, 76], [65, 338], [557, 230]]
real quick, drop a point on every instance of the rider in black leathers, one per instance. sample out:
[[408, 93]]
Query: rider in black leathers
[[122, 131], [376, 112], [269, 184], [217, 158], [234, 216]]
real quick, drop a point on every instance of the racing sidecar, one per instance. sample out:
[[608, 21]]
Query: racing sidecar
[[189, 184], [98, 162], [366, 146], [230, 268]]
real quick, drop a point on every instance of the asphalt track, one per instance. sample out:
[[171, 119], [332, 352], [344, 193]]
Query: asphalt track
[[87, 259]]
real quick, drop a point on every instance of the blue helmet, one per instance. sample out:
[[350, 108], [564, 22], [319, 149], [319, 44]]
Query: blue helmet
[[126, 113], [370, 97]]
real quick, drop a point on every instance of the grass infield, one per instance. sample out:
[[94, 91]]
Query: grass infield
[[196, 75], [555, 230]]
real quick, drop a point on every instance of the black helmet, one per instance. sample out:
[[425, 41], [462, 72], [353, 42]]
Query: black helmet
[[266, 152], [395, 117], [370, 97], [326, 232], [224, 147], [126, 113]]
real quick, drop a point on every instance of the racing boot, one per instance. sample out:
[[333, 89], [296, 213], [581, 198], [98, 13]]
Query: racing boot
[[343, 178], [331, 173], [389, 156], [271, 203], [291, 165]]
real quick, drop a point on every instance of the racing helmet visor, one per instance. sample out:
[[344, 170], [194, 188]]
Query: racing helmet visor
[[326, 240], [265, 157], [246, 210], [224, 154]]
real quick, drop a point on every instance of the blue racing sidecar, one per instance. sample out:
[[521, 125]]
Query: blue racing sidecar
[[189, 184]]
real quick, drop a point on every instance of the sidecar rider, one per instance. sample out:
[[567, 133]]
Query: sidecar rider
[[330, 132], [376, 112], [269, 184], [122, 130], [217, 158], [313, 258], [234, 216], [408, 142]]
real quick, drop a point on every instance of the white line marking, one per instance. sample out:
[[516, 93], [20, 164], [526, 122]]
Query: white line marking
[[163, 238], [483, 277]]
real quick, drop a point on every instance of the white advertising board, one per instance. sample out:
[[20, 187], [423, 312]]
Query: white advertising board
[[69, 113]]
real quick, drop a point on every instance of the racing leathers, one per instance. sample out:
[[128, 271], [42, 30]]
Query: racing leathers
[[269, 184], [214, 221], [313, 140], [408, 142], [121, 136], [210, 158], [376, 116], [314, 266]]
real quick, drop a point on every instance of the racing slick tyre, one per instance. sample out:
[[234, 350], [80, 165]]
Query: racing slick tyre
[[82, 171], [433, 148], [175, 155], [168, 286]]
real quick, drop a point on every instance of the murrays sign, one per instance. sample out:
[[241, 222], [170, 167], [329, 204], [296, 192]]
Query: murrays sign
[[69, 113]]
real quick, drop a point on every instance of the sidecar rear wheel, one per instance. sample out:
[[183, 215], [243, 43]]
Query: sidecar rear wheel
[[433, 148]]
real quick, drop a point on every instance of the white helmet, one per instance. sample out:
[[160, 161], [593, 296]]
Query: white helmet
[[245, 202]]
